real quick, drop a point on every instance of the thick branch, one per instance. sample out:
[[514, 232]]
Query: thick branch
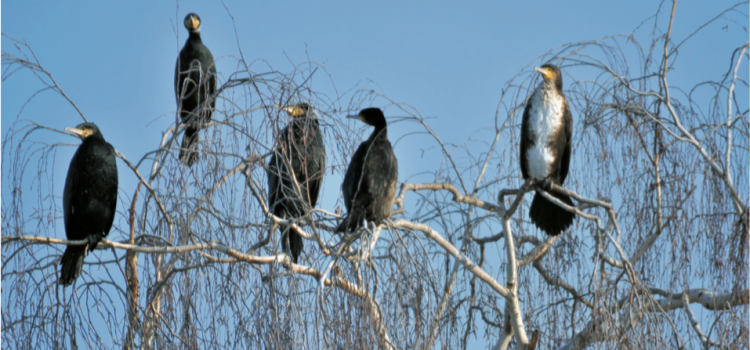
[[239, 256]]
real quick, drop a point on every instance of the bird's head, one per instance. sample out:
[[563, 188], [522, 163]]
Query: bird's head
[[301, 110], [193, 23], [85, 131], [550, 73], [371, 116]]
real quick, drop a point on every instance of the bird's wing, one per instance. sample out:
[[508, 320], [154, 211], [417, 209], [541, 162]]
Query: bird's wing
[[275, 171], [565, 162], [318, 156], [353, 175], [212, 79], [524, 138], [112, 190], [177, 87]]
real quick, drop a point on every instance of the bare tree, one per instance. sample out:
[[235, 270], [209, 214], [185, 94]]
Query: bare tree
[[659, 177]]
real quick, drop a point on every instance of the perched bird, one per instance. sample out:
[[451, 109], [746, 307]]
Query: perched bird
[[296, 171], [194, 83], [370, 182], [89, 198], [545, 149]]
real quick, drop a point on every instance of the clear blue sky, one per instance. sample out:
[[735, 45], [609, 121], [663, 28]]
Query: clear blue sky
[[447, 59]]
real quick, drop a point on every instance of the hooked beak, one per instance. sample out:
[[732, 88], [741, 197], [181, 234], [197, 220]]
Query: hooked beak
[[293, 110], [543, 71], [288, 109], [82, 133]]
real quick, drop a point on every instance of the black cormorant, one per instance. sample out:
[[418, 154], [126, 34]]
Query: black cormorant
[[89, 198], [545, 148], [370, 182], [299, 152], [195, 77]]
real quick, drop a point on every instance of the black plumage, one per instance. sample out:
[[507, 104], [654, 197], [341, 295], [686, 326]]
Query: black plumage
[[370, 182], [195, 83], [299, 154], [89, 198], [546, 133]]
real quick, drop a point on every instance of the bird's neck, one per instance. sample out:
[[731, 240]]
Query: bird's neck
[[553, 85], [94, 139], [195, 37], [380, 124], [304, 118], [380, 131], [300, 124]]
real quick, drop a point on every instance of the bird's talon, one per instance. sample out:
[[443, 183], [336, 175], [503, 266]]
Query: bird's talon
[[547, 184]]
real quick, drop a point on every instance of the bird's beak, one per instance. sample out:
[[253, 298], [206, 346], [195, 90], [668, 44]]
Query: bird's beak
[[82, 133], [288, 109], [294, 111], [195, 22], [543, 71], [353, 116]]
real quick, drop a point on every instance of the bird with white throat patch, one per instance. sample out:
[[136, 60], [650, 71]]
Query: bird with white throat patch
[[546, 132]]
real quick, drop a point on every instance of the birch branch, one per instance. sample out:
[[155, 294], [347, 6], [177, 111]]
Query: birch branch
[[593, 331]]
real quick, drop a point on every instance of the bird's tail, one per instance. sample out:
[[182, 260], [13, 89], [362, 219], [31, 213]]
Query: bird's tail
[[352, 221], [189, 151], [72, 264], [291, 242], [549, 217]]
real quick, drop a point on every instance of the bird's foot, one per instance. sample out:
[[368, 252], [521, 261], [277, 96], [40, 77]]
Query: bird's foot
[[93, 241], [364, 246], [546, 184], [366, 224]]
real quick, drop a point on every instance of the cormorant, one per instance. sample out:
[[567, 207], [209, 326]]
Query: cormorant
[[299, 152], [370, 182], [195, 77], [89, 198], [545, 149]]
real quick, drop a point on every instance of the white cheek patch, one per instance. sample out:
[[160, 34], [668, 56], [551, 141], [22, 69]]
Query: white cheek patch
[[545, 118]]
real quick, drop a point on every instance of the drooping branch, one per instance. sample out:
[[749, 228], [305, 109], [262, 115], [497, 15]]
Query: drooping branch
[[452, 250], [339, 282], [425, 292], [36, 68], [594, 330]]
